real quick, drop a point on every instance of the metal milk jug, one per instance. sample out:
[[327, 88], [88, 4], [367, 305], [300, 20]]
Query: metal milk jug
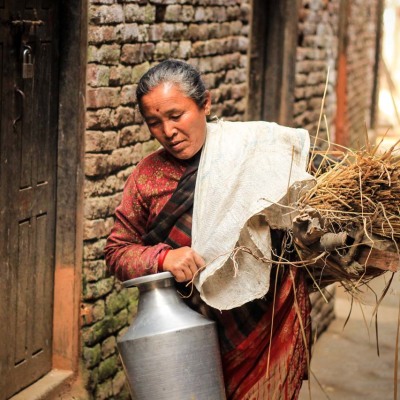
[[170, 352]]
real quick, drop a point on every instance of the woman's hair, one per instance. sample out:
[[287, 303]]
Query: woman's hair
[[177, 73]]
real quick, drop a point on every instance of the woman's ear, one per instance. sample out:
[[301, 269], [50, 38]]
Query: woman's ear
[[207, 103]]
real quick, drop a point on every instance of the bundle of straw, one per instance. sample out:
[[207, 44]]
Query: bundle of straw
[[350, 220], [361, 190]]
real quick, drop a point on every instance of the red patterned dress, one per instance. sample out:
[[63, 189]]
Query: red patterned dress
[[263, 343]]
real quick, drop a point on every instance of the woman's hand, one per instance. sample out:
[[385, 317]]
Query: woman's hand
[[183, 263]]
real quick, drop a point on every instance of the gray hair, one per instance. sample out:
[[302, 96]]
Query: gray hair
[[177, 73]]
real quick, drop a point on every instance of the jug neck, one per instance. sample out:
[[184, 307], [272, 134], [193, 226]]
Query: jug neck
[[156, 291], [151, 282]]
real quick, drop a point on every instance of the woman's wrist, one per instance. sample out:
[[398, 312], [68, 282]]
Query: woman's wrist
[[161, 259]]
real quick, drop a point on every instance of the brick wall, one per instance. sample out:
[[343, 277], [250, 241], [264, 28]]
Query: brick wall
[[316, 62], [126, 37], [318, 50], [360, 56], [316, 53]]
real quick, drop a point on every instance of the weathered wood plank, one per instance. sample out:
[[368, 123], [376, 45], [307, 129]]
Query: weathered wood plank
[[385, 260]]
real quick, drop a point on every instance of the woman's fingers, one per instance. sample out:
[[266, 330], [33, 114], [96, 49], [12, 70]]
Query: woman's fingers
[[195, 264], [183, 263], [179, 275], [200, 263]]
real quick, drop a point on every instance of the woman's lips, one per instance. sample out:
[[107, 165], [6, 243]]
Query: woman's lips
[[176, 145]]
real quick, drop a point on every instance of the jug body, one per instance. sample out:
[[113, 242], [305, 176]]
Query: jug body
[[170, 351]]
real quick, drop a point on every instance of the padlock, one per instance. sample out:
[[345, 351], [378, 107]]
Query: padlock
[[27, 64]]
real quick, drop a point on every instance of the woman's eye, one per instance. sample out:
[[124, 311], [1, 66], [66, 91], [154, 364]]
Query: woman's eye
[[152, 124], [176, 117]]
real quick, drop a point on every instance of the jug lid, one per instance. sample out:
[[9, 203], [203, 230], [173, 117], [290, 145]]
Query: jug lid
[[147, 279]]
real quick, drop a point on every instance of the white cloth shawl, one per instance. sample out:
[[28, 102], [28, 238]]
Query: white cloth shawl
[[249, 173]]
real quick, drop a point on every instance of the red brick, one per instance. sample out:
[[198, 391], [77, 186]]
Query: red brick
[[102, 97]]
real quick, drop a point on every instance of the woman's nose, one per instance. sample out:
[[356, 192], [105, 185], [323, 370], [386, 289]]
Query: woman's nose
[[169, 129]]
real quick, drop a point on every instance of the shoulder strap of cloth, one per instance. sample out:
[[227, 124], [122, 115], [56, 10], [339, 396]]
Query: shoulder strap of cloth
[[177, 212]]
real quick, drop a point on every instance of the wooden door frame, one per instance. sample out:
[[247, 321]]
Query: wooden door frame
[[342, 135], [378, 52], [69, 208], [272, 60], [70, 180]]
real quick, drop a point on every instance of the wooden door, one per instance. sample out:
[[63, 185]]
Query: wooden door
[[28, 152], [273, 60]]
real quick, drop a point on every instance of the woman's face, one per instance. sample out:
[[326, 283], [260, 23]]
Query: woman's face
[[175, 120]]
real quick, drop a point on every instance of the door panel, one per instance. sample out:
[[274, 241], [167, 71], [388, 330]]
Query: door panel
[[28, 151]]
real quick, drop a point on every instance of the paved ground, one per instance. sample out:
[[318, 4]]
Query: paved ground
[[345, 360]]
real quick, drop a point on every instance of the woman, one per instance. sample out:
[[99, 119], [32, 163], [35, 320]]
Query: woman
[[263, 343]]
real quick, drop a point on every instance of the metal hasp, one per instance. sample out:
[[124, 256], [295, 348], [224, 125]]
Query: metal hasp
[[27, 22], [20, 115], [170, 352], [27, 63], [26, 27]]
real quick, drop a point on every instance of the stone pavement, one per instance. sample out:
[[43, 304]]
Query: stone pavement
[[345, 360]]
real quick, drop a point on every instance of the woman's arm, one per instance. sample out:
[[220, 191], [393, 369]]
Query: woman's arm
[[146, 192], [126, 255]]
